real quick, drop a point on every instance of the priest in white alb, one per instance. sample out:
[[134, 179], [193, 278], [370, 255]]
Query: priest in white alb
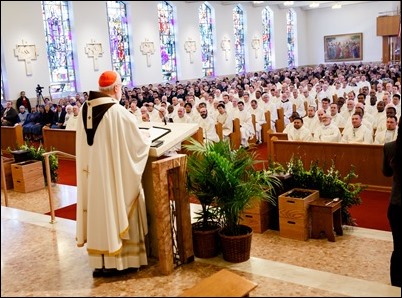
[[111, 154]]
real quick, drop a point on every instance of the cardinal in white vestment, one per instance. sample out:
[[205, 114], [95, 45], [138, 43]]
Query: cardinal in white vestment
[[111, 154]]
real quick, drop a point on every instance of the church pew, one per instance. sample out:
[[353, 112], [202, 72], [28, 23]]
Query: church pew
[[59, 139], [270, 135], [219, 130], [280, 123], [12, 137], [366, 159], [235, 136], [266, 127]]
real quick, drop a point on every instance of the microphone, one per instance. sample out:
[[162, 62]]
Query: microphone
[[164, 117]]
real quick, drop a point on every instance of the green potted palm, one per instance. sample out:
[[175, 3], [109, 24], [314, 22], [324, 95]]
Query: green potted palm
[[231, 183], [199, 184]]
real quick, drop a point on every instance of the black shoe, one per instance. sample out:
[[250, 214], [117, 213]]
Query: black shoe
[[97, 272], [114, 272]]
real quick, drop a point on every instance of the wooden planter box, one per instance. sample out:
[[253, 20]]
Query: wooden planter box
[[256, 216], [28, 176], [294, 215], [7, 172]]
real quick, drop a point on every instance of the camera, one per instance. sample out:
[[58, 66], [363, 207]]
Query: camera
[[39, 89]]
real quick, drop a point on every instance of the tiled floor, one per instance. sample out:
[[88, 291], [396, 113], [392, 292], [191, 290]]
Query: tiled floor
[[41, 259]]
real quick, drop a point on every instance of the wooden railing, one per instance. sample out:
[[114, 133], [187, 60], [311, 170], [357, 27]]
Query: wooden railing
[[48, 178]]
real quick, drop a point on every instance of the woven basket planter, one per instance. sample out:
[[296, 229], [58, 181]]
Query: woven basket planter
[[236, 249], [206, 242]]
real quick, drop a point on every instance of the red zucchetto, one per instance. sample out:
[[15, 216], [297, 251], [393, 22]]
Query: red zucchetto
[[107, 78]]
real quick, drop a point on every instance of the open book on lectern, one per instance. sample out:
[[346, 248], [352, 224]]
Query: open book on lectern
[[156, 132]]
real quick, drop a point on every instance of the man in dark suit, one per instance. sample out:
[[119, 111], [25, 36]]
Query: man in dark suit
[[59, 117], [392, 166], [9, 117]]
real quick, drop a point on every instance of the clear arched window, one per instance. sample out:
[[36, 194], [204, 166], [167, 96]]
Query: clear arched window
[[58, 36], [238, 25], [207, 40], [291, 42], [167, 41], [267, 21], [119, 39]]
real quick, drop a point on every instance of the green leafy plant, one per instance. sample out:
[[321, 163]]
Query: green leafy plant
[[36, 153], [328, 181], [225, 181]]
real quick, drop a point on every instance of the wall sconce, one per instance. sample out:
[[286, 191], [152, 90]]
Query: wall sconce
[[190, 46], [147, 48], [225, 45], [94, 50], [337, 5], [26, 52], [255, 44]]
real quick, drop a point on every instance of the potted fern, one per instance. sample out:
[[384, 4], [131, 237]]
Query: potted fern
[[231, 183]]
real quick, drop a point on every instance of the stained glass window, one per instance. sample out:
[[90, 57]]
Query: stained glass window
[[167, 41], [119, 39], [2, 90], [238, 24], [291, 42], [207, 40], [267, 37], [58, 36]]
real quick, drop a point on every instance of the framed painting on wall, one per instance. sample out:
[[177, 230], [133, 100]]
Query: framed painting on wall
[[343, 47]]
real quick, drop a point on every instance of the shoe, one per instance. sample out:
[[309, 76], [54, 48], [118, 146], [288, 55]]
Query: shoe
[[98, 272], [258, 142], [112, 272]]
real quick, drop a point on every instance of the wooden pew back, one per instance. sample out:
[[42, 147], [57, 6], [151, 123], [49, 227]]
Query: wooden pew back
[[280, 123], [12, 137], [59, 139], [266, 127], [365, 158], [235, 136]]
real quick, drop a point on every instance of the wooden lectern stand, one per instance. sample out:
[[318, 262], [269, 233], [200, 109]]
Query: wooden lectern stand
[[164, 182]]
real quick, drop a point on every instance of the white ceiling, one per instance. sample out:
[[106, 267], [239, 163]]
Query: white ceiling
[[304, 5]]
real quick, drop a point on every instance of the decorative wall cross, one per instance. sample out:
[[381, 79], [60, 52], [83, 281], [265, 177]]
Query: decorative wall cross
[[225, 45], [190, 46], [147, 48], [255, 44], [94, 50], [26, 52]]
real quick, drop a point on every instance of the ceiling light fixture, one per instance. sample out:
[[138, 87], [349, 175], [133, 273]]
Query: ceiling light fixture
[[288, 3], [258, 2], [336, 6], [314, 5]]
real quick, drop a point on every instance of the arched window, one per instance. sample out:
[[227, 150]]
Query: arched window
[[119, 39], [291, 40], [167, 41], [267, 21], [58, 36], [207, 40], [238, 24], [3, 100]]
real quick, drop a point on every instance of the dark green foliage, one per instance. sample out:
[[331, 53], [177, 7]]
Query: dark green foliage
[[37, 154], [328, 181], [225, 181]]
